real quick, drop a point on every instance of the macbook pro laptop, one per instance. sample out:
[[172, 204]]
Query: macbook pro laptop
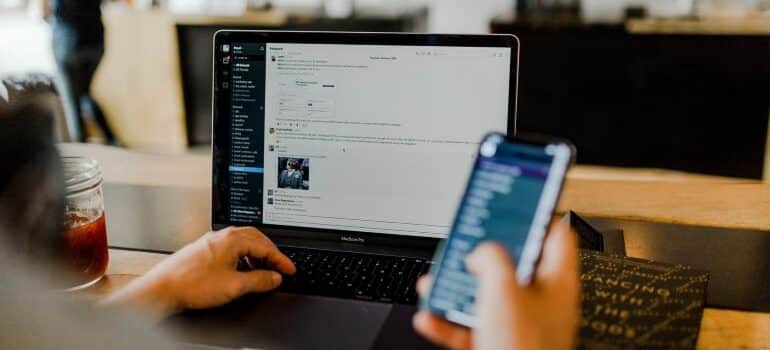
[[350, 151]]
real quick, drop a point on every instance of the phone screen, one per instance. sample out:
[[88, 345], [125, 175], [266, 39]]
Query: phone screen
[[509, 199]]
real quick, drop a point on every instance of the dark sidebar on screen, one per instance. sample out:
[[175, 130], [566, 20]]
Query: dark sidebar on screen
[[239, 133]]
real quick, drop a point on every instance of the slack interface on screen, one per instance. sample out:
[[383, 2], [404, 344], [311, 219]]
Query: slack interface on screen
[[357, 137], [243, 84]]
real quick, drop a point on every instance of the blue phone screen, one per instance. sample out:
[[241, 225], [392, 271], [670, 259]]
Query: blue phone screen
[[506, 202]]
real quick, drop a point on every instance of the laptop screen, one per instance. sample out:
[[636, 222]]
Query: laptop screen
[[352, 137]]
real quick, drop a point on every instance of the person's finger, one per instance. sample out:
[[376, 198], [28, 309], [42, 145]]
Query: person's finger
[[256, 248], [492, 265], [559, 263], [253, 232], [260, 281], [441, 332], [423, 285], [498, 290]]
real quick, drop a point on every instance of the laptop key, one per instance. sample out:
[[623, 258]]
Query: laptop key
[[377, 278]]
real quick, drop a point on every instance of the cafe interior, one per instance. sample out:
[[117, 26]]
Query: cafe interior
[[113, 135]]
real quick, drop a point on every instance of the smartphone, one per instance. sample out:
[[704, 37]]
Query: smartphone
[[509, 199]]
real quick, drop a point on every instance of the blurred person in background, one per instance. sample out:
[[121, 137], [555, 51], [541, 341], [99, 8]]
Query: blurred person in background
[[78, 47]]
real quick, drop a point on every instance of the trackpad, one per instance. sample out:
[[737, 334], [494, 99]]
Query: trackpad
[[283, 321]]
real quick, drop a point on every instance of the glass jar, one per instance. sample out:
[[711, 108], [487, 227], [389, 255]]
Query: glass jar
[[84, 240]]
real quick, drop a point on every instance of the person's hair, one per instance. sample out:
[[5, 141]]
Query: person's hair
[[292, 163], [31, 182]]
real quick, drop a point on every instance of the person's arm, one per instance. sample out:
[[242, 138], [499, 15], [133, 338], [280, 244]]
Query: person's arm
[[543, 315], [203, 274]]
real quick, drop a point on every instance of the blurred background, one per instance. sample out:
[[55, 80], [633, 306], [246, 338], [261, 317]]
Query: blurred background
[[672, 84]]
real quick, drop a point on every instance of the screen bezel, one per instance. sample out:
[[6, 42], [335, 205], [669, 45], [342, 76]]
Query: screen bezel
[[395, 39]]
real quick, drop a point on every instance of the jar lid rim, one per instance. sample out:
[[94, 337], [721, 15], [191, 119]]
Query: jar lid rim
[[80, 174]]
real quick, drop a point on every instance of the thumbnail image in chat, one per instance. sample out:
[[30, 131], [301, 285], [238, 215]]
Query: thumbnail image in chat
[[294, 173]]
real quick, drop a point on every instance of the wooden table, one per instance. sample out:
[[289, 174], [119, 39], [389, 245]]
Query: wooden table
[[617, 193], [737, 26]]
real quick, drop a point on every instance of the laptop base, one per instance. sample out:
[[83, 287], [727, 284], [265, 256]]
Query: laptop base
[[284, 321]]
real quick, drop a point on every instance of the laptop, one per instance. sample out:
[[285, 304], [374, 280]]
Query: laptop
[[350, 151]]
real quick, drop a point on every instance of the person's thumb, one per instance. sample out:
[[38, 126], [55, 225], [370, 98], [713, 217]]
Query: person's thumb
[[260, 281], [493, 268], [559, 264]]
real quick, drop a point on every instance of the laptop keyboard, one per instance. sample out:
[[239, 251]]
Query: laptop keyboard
[[379, 278]]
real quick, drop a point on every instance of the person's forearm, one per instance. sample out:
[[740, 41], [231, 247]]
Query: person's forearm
[[146, 295]]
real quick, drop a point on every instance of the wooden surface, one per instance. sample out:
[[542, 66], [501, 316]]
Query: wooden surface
[[733, 205], [753, 25], [272, 18], [592, 172], [139, 168], [647, 193], [760, 26]]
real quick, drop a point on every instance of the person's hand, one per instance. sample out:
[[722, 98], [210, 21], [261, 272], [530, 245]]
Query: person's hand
[[542, 315], [203, 274]]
